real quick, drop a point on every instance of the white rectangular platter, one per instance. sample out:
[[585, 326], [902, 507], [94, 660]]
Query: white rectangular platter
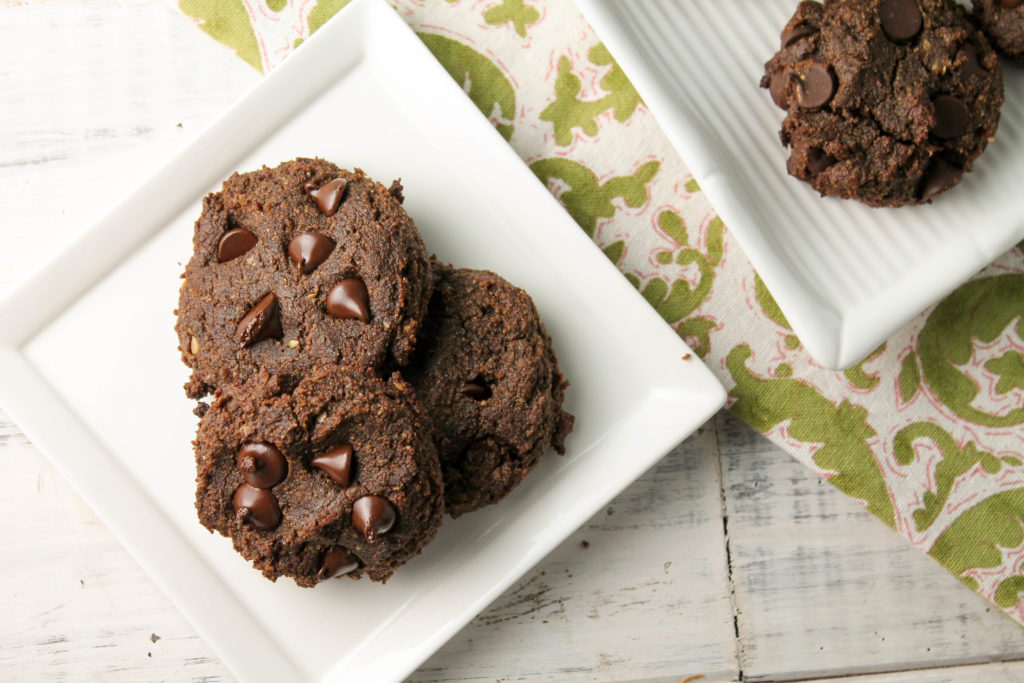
[[90, 370], [847, 276]]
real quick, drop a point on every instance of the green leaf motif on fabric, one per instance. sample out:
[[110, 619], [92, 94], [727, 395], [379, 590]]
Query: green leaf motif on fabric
[[489, 90], [910, 377], [276, 5], [1010, 369], [514, 11], [716, 241], [696, 332], [692, 185], [974, 540], [859, 377], [568, 111], [842, 431], [980, 310], [324, 10], [679, 300], [768, 305], [954, 464], [227, 22], [587, 199], [615, 250], [674, 226]]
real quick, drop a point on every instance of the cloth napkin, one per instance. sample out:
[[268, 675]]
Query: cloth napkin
[[927, 433]]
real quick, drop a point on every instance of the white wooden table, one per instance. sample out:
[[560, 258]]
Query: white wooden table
[[727, 560]]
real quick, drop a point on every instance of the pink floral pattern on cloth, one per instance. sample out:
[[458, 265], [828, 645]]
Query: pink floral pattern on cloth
[[927, 433]]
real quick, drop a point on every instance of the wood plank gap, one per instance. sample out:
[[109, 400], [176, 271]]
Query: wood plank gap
[[716, 423]]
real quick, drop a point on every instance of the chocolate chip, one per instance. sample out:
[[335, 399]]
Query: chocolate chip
[[951, 117], [971, 66], [257, 507], [940, 176], [349, 300], [328, 196], [309, 249], [336, 562], [476, 389], [373, 516], [263, 321], [818, 160], [817, 85], [337, 463], [234, 243], [778, 86], [1010, 4], [901, 19], [262, 465], [798, 32]]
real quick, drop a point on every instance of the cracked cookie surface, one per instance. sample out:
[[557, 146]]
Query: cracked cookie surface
[[489, 380], [888, 102], [334, 476], [300, 265]]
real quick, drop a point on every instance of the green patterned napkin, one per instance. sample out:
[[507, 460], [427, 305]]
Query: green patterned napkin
[[926, 433]]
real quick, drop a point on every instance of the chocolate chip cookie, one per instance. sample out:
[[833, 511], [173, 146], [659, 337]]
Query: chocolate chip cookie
[[300, 265], [334, 476], [1003, 23], [489, 379], [888, 102]]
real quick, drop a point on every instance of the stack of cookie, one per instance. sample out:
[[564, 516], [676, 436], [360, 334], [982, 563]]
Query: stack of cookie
[[890, 102], [351, 389]]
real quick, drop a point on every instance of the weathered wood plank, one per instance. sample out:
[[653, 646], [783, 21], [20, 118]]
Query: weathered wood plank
[[823, 588], [1009, 672]]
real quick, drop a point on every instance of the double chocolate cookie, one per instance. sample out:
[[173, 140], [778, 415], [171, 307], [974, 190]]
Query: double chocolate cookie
[[1003, 23], [888, 102], [296, 266], [335, 476], [489, 379]]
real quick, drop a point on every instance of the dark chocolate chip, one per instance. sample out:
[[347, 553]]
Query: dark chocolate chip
[[476, 389], [778, 86], [971, 66], [940, 176], [798, 32], [263, 321], [234, 243], [328, 196], [817, 85], [309, 249], [373, 516], [337, 463], [818, 160], [336, 562], [262, 465], [951, 117], [1010, 4], [349, 299], [901, 19], [257, 507]]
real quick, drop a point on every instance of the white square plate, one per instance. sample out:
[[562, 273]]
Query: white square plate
[[91, 372], [847, 276]]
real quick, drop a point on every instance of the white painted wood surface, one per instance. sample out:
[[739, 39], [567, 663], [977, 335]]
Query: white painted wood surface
[[728, 559]]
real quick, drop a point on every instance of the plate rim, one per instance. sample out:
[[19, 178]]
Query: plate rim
[[34, 405]]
